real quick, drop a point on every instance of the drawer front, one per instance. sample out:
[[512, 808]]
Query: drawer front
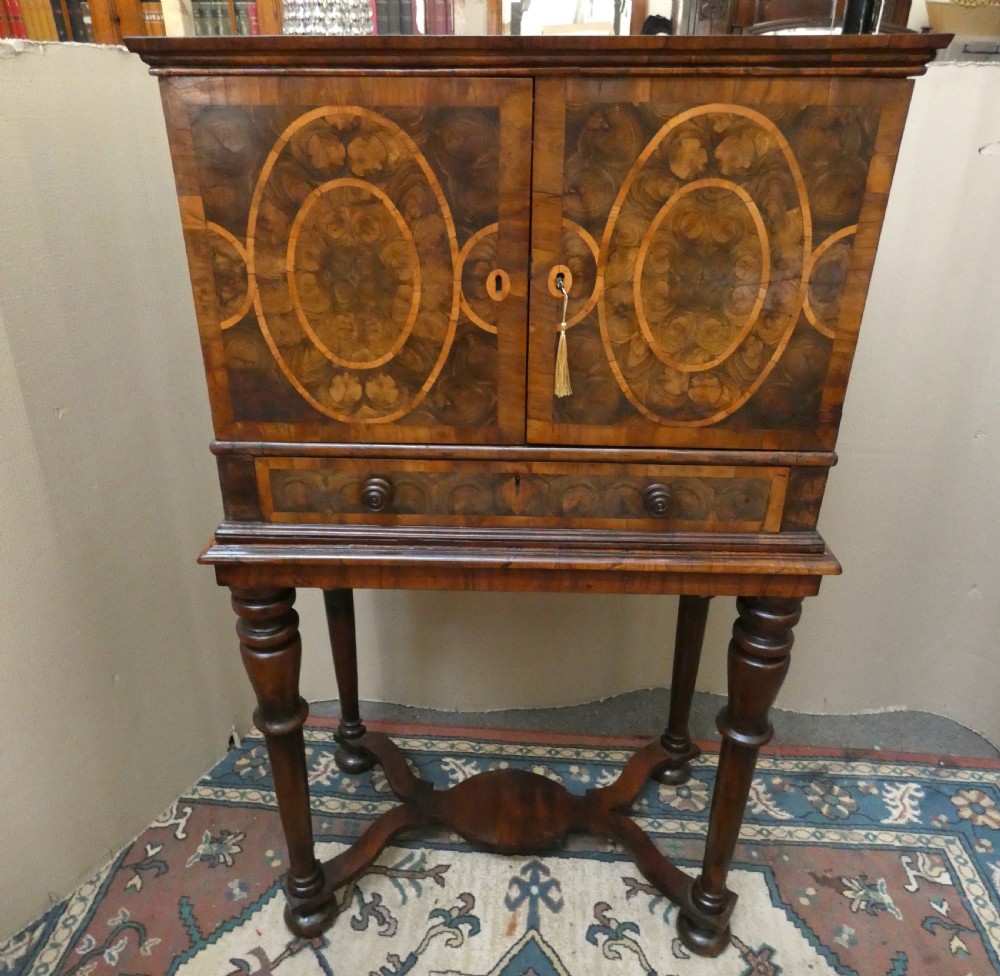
[[688, 498]]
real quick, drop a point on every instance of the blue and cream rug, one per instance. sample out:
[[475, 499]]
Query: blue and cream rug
[[867, 864]]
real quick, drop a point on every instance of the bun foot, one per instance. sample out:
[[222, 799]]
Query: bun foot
[[701, 941], [353, 761], [675, 776], [682, 751], [309, 923]]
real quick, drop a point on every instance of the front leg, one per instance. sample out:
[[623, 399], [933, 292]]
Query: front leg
[[759, 655], [268, 629]]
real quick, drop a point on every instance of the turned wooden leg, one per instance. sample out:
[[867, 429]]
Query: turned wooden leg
[[268, 629], [692, 613], [343, 641], [759, 654]]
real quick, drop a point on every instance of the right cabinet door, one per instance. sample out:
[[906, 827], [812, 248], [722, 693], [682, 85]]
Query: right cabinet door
[[717, 237]]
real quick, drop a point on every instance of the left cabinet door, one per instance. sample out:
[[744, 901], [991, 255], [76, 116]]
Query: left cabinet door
[[358, 249]]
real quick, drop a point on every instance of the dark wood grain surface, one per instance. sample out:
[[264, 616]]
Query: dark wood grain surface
[[899, 55]]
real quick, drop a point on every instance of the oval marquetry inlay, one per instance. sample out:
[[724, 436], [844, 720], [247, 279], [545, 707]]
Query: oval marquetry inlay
[[353, 250], [702, 272], [477, 265], [353, 273], [232, 281], [703, 264], [827, 274]]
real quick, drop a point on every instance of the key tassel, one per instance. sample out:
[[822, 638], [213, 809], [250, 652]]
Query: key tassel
[[563, 387]]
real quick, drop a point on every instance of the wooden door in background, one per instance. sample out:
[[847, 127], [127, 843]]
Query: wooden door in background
[[359, 253]]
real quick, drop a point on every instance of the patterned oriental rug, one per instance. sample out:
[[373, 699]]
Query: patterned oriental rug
[[868, 864]]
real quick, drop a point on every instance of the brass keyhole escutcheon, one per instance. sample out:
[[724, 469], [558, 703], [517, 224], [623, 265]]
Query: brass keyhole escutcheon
[[567, 280], [498, 284]]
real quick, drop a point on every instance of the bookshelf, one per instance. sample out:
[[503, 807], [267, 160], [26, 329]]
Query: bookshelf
[[109, 21], [84, 21]]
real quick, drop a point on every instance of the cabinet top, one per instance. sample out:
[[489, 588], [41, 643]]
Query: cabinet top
[[883, 55]]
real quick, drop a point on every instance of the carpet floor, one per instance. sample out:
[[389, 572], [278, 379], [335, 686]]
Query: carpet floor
[[871, 864]]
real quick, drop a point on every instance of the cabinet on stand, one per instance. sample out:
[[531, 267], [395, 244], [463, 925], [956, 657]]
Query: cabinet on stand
[[390, 239]]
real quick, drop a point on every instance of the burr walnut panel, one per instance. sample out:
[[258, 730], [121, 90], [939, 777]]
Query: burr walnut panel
[[360, 252], [361, 247], [658, 497], [723, 231]]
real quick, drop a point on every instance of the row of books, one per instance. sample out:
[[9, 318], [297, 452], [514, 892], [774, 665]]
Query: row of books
[[46, 20], [213, 17], [404, 17]]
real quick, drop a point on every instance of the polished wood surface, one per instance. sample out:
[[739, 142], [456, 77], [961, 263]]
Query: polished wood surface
[[692, 617], [871, 56], [721, 234], [377, 231]]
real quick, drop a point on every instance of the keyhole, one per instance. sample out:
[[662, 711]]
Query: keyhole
[[497, 284], [517, 481], [561, 282]]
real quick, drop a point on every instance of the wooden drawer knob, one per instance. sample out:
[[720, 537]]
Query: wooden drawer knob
[[656, 499], [376, 495]]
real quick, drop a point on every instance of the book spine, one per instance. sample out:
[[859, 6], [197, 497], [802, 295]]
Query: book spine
[[4, 24], [152, 18], [46, 21], [449, 17], [392, 16], [252, 17], [30, 21], [75, 28], [27, 18], [431, 19], [212, 19], [15, 20], [405, 16], [58, 19], [86, 20], [381, 16]]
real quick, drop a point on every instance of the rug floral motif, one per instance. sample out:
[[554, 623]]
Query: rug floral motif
[[862, 865]]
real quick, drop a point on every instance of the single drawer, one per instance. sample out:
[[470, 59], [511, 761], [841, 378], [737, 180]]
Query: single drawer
[[657, 497]]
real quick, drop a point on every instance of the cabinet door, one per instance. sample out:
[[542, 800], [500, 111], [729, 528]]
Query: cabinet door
[[718, 236], [358, 250]]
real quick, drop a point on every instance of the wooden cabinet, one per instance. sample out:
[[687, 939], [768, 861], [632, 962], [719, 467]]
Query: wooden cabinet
[[363, 258], [375, 230], [348, 234], [364, 254]]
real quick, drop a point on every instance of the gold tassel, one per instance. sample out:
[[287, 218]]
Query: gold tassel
[[563, 386]]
